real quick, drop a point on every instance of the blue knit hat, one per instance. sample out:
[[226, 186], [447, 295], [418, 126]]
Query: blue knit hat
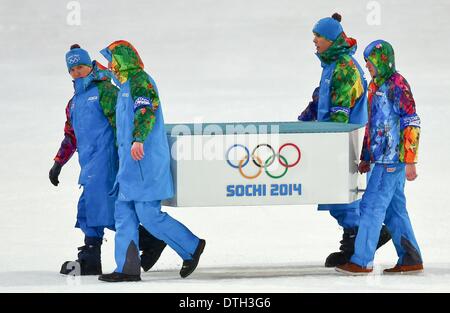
[[329, 27], [77, 56]]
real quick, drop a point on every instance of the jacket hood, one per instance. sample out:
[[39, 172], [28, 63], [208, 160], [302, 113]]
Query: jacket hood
[[381, 54], [124, 58], [343, 45]]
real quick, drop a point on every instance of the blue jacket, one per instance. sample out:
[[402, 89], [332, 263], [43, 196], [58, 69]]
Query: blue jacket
[[393, 131], [139, 118], [97, 152], [341, 95], [149, 179], [357, 114]]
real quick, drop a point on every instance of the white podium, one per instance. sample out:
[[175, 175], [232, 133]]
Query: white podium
[[276, 163]]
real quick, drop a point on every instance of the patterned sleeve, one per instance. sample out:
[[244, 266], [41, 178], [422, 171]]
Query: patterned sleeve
[[409, 123], [69, 143], [310, 113], [146, 102], [346, 88], [108, 100], [365, 153]]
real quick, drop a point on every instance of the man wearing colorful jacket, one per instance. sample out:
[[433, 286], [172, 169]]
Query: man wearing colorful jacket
[[391, 144], [90, 129], [341, 98], [144, 177]]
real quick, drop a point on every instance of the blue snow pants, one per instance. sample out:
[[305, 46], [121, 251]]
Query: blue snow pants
[[384, 200], [129, 214], [347, 215], [89, 231]]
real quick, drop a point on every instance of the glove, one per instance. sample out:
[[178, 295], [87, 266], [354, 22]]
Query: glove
[[54, 173], [364, 167], [310, 113]]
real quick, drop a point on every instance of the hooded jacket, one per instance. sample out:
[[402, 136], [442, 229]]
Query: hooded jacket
[[139, 118], [393, 131], [89, 128], [341, 95]]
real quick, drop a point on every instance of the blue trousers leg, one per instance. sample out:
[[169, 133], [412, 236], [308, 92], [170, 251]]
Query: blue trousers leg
[[347, 215], [167, 229], [88, 231], [399, 224], [375, 202], [126, 239]]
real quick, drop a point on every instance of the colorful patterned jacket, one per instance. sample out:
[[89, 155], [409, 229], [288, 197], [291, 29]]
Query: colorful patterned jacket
[[108, 98], [393, 130], [139, 118], [341, 94]]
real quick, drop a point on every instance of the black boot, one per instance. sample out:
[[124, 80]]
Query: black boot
[[348, 246], [151, 248], [190, 265], [89, 259], [116, 277], [385, 236]]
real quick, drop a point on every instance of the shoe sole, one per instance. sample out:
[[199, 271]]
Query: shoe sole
[[84, 274], [120, 281], [72, 273], [352, 273]]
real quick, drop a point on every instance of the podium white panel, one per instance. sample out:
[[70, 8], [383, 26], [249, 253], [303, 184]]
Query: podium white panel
[[303, 163]]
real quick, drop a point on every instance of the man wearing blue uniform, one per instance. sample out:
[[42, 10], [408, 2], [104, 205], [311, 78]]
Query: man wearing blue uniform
[[341, 98], [144, 177], [90, 130]]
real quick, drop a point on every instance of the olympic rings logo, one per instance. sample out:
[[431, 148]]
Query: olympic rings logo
[[73, 59], [256, 160]]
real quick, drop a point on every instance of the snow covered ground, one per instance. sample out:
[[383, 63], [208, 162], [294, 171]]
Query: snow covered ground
[[213, 61]]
